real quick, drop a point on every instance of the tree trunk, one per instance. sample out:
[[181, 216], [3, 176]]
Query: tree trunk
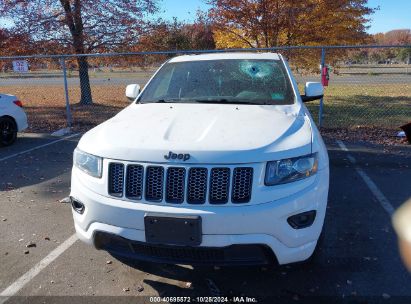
[[86, 97], [74, 22]]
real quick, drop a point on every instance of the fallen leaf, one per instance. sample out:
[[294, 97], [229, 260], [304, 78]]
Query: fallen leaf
[[65, 200], [140, 288]]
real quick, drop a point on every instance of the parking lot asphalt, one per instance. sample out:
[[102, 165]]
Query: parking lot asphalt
[[357, 260]]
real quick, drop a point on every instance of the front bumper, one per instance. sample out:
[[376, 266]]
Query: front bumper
[[243, 254], [260, 225]]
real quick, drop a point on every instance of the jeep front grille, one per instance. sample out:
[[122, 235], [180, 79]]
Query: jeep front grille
[[178, 185]]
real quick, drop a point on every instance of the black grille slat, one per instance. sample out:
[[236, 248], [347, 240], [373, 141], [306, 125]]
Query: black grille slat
[[219, 185], [197, 185], [161, 183], [242, 185], [116, 179], [134, 182], [175, 185], [154, 183]]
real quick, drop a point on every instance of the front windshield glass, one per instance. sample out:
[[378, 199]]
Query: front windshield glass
[[239, 81]]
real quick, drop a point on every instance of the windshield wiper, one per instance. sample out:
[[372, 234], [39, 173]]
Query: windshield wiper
[[165, 100], [229, 101], [206, 100], [162, 100]]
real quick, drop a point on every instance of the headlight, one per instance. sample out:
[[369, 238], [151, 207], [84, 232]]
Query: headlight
[[90, 164], [290, 170]]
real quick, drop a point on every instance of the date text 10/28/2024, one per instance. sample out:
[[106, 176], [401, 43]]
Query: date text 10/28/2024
[[239, 299]]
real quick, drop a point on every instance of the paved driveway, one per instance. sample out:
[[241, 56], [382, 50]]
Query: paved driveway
[[357, 261]]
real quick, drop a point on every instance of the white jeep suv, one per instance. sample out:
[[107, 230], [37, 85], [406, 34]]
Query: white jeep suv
[[216, 161]]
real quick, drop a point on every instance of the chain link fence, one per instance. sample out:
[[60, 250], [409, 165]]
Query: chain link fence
[[368, 92]]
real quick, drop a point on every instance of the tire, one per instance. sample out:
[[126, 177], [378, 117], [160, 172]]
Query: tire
[[8, 131]]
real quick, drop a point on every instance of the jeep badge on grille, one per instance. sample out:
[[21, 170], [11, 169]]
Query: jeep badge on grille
[[181, 156]]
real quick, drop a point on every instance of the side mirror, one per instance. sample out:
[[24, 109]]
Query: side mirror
[[132, 91], [313, 91]]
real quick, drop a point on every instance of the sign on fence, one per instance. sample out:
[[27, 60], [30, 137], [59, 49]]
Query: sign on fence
[[20, 66]]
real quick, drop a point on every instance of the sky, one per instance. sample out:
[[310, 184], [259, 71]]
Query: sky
[[182, 9], [393, 14]]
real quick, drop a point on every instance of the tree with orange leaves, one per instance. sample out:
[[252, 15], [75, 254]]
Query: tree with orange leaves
[[82, 25], [270, 23]]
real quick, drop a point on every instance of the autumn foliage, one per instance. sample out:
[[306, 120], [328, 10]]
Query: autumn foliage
[[12, 44], [80, 26], [385, 55], [274, 23], [270, 23], [89, 26]]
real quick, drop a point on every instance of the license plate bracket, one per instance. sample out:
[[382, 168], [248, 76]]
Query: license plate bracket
[[182, 231]]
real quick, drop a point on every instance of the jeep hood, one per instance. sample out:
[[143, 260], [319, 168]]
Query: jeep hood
[[210, 133]]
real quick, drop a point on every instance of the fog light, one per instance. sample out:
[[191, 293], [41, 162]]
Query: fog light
[[76, 205], [302, 220]]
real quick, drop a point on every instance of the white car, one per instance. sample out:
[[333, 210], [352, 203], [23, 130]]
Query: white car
[[13, 119], [216, 161]]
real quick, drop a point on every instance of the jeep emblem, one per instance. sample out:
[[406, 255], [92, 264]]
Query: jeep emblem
[[180, 156]]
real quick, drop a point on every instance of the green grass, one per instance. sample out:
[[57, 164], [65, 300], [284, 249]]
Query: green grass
[[385, 106], [351, 106]]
